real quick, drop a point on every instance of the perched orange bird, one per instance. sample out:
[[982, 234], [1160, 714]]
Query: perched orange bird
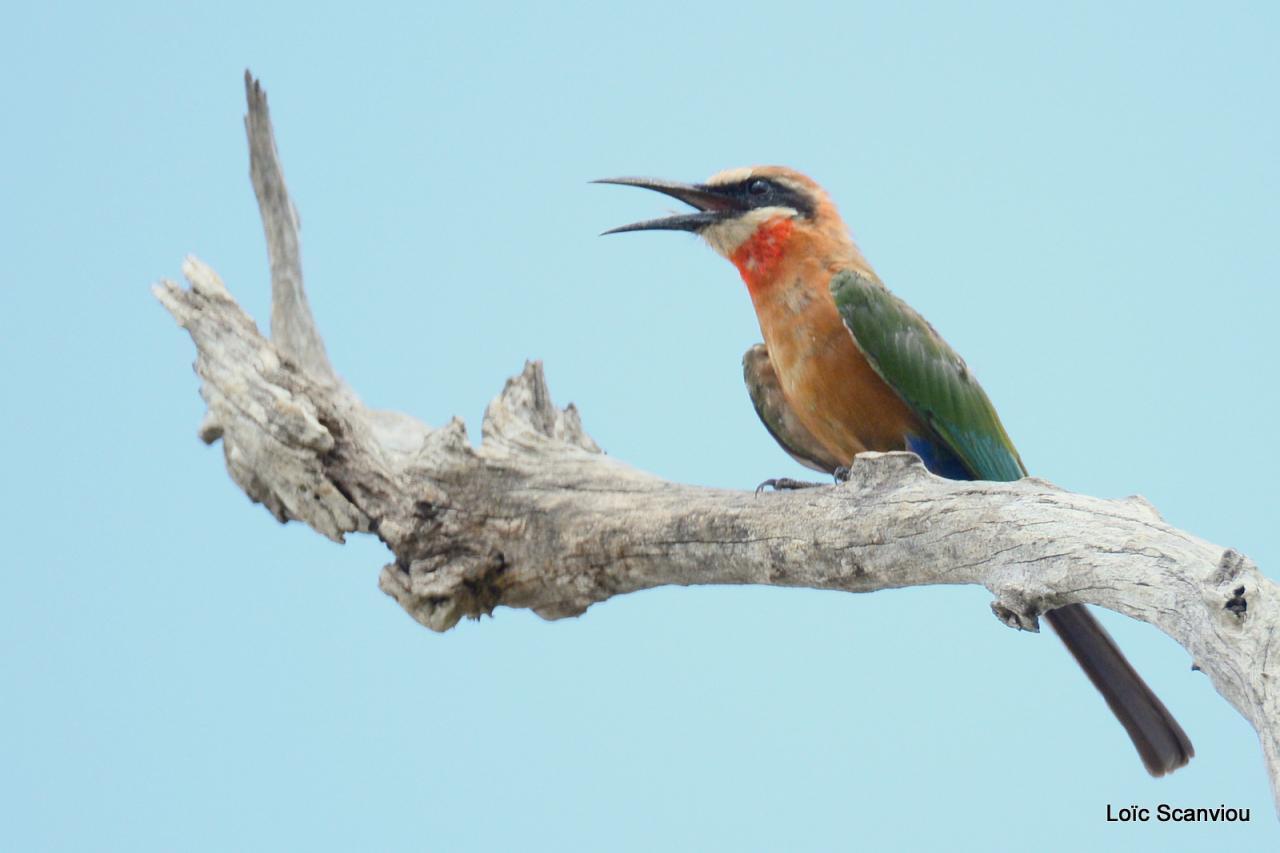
[[847, 367]]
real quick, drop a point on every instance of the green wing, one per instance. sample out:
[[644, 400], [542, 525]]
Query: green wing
[[927, 374]]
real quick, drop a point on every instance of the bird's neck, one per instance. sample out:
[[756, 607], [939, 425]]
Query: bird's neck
[[780, 254]]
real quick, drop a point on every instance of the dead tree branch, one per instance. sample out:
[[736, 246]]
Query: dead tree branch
[[538, 517]]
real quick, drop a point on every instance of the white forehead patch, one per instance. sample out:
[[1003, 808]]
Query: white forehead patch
[[725, 237], [729, 176]]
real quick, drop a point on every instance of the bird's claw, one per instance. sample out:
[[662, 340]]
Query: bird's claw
[[841, 474], [785, 484]]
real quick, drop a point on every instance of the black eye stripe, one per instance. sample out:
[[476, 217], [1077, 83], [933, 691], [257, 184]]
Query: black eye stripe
[[774, 194]]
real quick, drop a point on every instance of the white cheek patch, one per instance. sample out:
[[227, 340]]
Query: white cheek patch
[[725, 237]]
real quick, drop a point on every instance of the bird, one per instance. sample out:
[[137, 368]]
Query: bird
[[847, 366]]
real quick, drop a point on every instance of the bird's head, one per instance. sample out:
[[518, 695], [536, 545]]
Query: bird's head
[[752, 216]]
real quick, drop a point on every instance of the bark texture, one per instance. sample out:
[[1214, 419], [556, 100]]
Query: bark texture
[[538, 517]]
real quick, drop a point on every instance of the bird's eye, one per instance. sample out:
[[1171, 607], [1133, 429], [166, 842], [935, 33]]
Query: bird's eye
[[758, 187]]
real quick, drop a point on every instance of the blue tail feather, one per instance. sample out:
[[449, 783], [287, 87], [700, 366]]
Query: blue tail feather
[[938, 458]]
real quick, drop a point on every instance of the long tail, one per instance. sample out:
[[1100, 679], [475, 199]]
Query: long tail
[[1160, 741]]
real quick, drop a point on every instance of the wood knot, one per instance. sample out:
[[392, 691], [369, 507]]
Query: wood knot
[[1021, 621], [1237, 603]]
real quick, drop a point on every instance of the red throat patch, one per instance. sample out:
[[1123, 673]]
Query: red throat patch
[[760, 253]]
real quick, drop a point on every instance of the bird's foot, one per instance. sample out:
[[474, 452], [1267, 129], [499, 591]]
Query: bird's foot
[[786, 484]]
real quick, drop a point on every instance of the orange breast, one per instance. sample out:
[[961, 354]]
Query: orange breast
[[827, 381]]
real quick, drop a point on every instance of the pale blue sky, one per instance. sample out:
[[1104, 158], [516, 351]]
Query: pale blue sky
[[1085, 202]]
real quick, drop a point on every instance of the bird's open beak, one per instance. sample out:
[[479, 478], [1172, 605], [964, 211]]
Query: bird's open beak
[[712, 206]]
